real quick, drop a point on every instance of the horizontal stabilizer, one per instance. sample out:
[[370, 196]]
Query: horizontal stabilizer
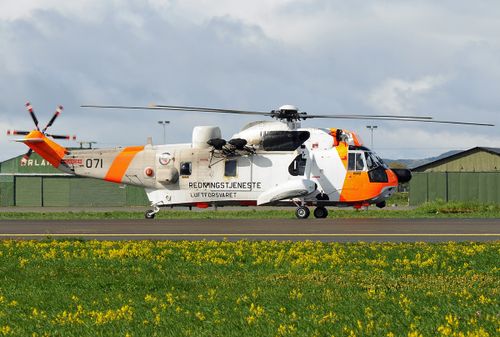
[[287, 190], [29, 140]]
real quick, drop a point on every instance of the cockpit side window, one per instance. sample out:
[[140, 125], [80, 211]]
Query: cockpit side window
[[355, 162], [360, 163], [369, 162], [351, 164]]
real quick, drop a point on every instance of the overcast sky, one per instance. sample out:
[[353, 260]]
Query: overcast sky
[[425, 58]]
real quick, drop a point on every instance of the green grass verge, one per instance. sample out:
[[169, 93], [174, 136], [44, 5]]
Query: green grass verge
[[244, 288], [428, 210], [399, 199]]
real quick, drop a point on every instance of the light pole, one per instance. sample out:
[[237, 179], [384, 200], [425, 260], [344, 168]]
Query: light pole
[[371, 127], [164, 123]]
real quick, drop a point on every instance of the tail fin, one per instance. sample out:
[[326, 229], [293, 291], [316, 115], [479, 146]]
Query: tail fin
[[37, 141], [46, 148]]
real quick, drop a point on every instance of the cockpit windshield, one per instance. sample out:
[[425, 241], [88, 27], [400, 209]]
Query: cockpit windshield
[[364, 160], [373, 161]]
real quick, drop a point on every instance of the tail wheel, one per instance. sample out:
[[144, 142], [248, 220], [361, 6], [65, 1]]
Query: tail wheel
[[302, 212], [320, 212], [150, 214]]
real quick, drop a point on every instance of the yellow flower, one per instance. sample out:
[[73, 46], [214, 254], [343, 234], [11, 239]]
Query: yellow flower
[[250, 319], [257, 310], [6, 330], [22, 262], [445, 330], [484, 300], [200, 316], [295, 294], [150, 298], [331, 317]]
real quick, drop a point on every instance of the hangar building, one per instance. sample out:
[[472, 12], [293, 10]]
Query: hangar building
[[471, 175], [38, 183]]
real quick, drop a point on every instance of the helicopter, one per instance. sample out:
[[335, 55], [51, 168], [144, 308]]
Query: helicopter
[[274, 162]]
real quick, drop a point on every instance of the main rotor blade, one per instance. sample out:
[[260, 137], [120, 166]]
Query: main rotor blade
[[355, 116], [32, 114], [233, 111], [299, 115], [180, 108], [395, 118], [205, 109], [59, 110]]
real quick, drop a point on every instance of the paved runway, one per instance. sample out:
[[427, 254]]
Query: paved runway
[[409, 230]]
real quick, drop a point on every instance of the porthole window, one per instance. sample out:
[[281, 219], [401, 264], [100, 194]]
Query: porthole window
[[186, 168], [230, 168]]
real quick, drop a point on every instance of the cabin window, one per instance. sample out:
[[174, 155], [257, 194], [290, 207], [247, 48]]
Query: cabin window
[[230, 168], [298, 166], [186, 168], [355, 162]]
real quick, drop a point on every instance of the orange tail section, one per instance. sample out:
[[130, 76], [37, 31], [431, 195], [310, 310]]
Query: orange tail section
[[46, 148]]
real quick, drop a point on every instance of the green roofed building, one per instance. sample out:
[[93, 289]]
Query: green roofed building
[[471, 175], [38, 183]]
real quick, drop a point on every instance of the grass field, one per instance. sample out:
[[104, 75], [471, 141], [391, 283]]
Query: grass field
[[149, 288], [428, 210]]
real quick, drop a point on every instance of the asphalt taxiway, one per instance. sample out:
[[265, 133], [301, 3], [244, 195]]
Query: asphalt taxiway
[[342, 230]]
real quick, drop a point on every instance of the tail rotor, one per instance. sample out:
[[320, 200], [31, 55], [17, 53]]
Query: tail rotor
[[31, 111]]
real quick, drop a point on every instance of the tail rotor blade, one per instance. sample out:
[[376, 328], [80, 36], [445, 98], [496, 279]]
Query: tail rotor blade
[[32, 114], [17, 132], [68, 137], [59, 110], [27, 155]]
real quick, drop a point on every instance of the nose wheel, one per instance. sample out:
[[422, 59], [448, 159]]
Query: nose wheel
[[302, 212], [320, 212]]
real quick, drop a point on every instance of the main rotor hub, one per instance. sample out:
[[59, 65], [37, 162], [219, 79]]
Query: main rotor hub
[[288, 112], [288, 107]]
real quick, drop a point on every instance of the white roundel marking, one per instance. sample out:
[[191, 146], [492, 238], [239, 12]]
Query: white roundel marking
[[165, 158]]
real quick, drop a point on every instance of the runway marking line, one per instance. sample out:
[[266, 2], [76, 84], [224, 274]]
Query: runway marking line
[[249, 235]]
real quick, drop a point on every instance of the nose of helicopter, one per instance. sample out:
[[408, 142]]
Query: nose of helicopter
[[403, 175]]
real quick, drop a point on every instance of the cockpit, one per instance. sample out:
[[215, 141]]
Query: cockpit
[[361, 158]]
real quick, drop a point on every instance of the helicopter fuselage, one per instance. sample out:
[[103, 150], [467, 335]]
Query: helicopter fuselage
[[322, 171]]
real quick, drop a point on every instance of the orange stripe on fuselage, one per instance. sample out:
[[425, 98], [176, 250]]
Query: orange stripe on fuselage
[[342, 150], [121, 163]]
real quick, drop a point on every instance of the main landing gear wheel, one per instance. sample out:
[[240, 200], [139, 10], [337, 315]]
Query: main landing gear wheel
[[150, 214], [320, 212], [302, 212]]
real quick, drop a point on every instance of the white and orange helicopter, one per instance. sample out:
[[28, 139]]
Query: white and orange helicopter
[[266, 163]]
